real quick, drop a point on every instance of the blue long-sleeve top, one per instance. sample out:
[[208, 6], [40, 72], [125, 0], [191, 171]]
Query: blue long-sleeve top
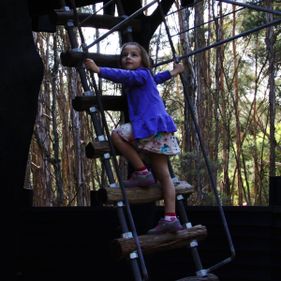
[[147, 112]]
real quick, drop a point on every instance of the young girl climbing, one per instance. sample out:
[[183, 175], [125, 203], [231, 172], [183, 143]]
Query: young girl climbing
[[151, 128]]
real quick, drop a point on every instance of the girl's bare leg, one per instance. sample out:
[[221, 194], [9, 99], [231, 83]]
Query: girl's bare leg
[[161, 170], [127, 151]]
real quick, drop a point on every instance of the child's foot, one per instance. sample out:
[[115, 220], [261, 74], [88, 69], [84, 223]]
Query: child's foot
[[141, 180], [164, 226]]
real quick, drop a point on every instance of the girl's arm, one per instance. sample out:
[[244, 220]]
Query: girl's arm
[[178, 68], [91, 65], [163, 76], [118, 75]]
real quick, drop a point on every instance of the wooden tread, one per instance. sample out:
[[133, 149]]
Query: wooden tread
[[139, 195], [94, 20], [96, 149], [72, 58], [114, 103], [149, 243]]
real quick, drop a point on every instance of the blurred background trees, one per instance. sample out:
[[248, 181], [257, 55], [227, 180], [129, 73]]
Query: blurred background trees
[[235, 92]]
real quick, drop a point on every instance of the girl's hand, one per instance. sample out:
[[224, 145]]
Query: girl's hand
[[178, 68], [91, 65]]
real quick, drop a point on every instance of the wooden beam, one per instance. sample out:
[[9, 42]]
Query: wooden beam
[[96, 21], [97, 149], [150, 243], [73, 58], [114, 103]]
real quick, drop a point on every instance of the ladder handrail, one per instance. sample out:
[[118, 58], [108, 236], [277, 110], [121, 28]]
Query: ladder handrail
[[207, 162], [115, 164]]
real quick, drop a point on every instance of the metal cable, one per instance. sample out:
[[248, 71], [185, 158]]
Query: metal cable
[[121, 185], [218, 43], [101, 8], [254, 7], [120, 24], [208, 166], [114, 158]]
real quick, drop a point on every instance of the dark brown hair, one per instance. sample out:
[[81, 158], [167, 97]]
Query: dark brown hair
[[146, 62]]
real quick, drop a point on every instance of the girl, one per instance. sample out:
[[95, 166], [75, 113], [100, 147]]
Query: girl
[[150, 129]]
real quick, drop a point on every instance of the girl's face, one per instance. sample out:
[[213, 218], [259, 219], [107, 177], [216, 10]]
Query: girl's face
[[131, 57]]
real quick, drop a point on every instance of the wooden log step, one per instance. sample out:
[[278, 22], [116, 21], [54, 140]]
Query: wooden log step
[[73, 58], [97, 149], [209, 277], [61, 17], [114, 103], [139, 195], [150, 243]]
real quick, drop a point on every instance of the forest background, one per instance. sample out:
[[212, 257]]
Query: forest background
[[235, 93]]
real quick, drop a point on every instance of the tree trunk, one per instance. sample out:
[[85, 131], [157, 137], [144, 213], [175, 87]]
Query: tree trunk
[[269, 40]]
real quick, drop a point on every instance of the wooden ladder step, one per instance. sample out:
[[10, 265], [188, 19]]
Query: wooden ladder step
[[209, 277], [114, 103], [72, 58], [97, 21], [150, 243], [96, 149], [139, 195]]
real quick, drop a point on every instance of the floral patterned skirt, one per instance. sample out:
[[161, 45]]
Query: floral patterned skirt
[[163, 143]]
